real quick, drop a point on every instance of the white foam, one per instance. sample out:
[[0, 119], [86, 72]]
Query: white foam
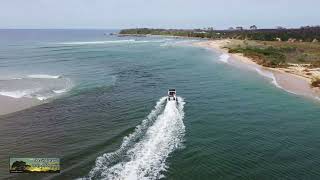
[[33, 89], [224, 58], [98, 42], [174, 42], [42, 98], [13, 94], [106, 159], [60, 91], [31, 93], [112, 42], [18, 94], [146, 158], [43, 76], [269, 75]]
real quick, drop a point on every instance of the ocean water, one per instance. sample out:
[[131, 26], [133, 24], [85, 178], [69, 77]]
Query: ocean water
[[106, 116]]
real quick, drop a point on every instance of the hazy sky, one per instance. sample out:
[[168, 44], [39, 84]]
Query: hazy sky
[[157, 13]]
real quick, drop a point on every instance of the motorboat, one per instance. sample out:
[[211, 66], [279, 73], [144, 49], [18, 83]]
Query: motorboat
[[172, 95]]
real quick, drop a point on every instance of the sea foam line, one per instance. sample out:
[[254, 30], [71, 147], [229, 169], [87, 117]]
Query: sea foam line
[[97, 42], [146, 158], [271, 76], [18, 94], [224, 58], [38, 93], [43, 76], [110, 42], [66, 89]]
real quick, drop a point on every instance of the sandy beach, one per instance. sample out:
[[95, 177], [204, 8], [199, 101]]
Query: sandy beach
[[10, 105], [292, 79]]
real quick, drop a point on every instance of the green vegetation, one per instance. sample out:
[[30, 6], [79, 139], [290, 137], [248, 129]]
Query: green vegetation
[[306, 34], [278, 54], [269, 56], [167, 32], [315, 82]]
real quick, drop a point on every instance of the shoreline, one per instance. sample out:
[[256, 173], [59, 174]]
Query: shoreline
[[283, 78]]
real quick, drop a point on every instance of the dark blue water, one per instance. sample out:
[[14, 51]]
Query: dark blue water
[[236, 124]]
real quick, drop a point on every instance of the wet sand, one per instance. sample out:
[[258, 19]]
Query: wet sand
[[10, 105], [295, 84], [289, 82]]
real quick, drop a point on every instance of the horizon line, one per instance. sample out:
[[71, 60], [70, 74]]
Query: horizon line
[[89, 28]]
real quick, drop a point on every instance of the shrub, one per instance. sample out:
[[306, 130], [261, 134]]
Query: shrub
[[315, 64], [315, 82], [269, 57]]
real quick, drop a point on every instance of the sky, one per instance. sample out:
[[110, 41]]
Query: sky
[[118, 14]]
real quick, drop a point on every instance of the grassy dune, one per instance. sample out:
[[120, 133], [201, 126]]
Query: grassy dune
[[278, 54]]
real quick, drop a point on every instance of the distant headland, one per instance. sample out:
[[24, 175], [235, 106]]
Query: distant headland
[[305, 33]]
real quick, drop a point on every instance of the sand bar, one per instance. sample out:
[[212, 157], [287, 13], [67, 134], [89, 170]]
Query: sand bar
[[10, 105]]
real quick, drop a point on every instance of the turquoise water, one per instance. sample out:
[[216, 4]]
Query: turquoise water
[[230, 123]]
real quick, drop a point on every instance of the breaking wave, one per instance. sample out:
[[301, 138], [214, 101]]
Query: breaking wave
[[60, 91], [224, 58], [175, 42], [43, 76], [38, 86], [98, 42], [126, 41], [163, 42], [143, 153], [269, 75], [18, 94]]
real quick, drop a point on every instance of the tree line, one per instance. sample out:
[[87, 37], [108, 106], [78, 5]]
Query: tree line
[[306, 34]]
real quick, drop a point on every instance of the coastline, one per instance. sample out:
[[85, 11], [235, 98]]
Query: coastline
[[10, 105], [284, 78]]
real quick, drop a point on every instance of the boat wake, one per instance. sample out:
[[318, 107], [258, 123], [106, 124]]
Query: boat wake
[[143, 153]]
